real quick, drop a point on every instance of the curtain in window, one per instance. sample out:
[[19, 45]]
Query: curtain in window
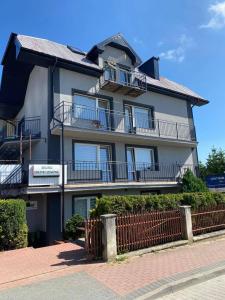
[[141, 116], [144, 158]]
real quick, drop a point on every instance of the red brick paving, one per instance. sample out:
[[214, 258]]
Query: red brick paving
[[122, 278]]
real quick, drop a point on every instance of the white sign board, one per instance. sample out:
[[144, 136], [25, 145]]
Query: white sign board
[[46, 175], [46, 170]]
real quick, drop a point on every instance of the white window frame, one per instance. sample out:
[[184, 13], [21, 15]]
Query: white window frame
[[98, 147], [133, 117], [152, 154], [88, 199], [97, 107]]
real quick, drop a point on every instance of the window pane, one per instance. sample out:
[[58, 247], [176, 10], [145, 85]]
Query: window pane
[[103, 114], [86, 157], [130, 164], [110, 73], [144, 158], [92, 203], [80, 207], [124, 76], [128, 119], [84, 107], [141, 117]]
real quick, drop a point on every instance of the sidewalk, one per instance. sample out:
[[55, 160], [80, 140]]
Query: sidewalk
[[61, 272]]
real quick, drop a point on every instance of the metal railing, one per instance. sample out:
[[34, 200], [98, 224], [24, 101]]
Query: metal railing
[[100, 172], [208, 219], [100, 119], [124, 77], [11, 175], [112, 171], [26, 127]]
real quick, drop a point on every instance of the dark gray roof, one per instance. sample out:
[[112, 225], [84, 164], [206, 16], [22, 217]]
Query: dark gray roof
[[171, 85], [54, 49], [62, 51]]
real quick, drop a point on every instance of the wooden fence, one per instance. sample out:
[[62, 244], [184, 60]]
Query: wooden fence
[[137, 231], [93, 238], [208, 219]]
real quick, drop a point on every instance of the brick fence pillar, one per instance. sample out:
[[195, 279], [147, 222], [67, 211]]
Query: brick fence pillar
[[109, 237], [186, 222]]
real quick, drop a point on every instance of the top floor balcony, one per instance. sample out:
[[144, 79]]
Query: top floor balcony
[[123, 81], [128, 125]]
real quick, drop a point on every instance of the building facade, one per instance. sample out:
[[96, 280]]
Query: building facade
[[115, 124]]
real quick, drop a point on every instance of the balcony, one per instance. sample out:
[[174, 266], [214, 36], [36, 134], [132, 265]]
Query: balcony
[[97, 174], [102, 121], [119, 172], [13, 133], [122, 81]]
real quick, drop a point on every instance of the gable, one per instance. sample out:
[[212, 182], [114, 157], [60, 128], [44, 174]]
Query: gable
[[116, 42]]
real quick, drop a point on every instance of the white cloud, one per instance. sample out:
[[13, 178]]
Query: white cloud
[[178, 54], [217, 20]]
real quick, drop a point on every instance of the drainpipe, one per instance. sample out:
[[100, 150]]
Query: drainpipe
[[196, 148], [63, 171], [62, 153]]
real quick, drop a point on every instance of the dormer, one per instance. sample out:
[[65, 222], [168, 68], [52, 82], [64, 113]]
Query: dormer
[[118, 60], [114, 49]]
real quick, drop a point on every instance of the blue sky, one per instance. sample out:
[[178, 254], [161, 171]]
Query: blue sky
[[188, 35]]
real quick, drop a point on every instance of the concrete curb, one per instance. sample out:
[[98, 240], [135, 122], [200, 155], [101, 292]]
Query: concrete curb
[[172, 287], [208, 235], [154, 249]]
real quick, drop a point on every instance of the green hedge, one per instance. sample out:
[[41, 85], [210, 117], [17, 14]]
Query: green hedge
[[122, 204], [13, 227]]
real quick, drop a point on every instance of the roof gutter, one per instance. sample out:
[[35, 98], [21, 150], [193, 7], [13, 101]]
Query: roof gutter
[[45, 60]]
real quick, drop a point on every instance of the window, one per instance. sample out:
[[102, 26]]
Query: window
[[141, 117], [83, 205], [138, 118], [124, 76], [139, 159], [90, 108], [84, 107], [110, 73], [93, 158]]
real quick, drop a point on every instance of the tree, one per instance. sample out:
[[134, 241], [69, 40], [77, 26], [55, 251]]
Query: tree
[[190, 183], [215, 163], [202, 170]]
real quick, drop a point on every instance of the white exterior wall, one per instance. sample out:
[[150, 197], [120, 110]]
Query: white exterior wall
[[166, 108], [36, 105]]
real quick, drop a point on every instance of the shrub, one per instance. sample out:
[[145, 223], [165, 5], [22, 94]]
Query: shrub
[[192, 184], [131, 203], [71, 229], [13, 227]]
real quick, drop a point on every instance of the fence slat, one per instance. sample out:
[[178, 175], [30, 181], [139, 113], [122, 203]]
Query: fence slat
[[208, 219], [138, 231]]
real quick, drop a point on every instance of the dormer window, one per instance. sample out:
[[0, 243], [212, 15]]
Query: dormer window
[[124, 76], [110, 72]]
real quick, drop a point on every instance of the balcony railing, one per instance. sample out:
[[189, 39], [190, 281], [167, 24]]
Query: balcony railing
[[25, 128], [122, 81], [100, 119], [12, 175], [111, 171]]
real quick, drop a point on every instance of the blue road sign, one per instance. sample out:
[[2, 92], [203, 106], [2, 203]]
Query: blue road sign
[[215, 181]]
